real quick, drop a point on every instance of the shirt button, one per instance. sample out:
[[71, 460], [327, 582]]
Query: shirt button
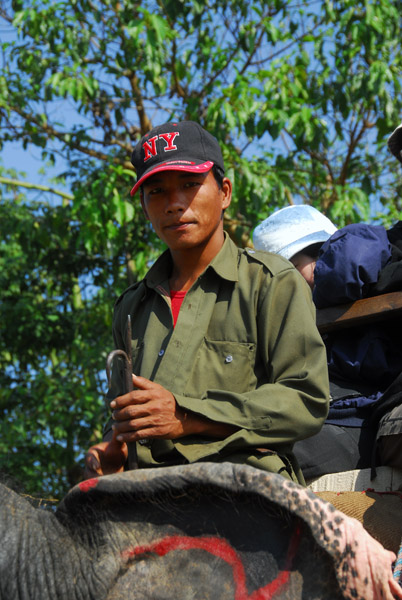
[[161, 352], [229, 359]]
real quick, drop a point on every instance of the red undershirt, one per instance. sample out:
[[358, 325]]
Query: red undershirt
[[177, 300]]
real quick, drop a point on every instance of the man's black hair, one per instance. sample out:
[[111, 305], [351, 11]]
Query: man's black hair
[[219, 175]]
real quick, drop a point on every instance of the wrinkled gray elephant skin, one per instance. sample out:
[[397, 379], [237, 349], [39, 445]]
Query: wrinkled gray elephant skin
[[204, 531]]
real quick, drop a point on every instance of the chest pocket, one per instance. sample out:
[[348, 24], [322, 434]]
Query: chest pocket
[[222, 365]]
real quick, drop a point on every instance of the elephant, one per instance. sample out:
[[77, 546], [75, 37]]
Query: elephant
[[207, 531]]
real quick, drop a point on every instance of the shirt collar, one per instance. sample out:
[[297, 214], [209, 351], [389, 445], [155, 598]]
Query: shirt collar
[[225, 264]]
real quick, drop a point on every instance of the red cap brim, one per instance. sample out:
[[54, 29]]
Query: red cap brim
[[193, 168]]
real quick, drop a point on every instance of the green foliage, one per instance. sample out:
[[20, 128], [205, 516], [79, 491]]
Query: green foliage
[[54, 340], [302, 98]]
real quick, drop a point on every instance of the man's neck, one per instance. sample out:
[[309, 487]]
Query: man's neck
[[189, 264]]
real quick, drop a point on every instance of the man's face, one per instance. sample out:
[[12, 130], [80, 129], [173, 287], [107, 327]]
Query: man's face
[[305, 264], [185, 209]]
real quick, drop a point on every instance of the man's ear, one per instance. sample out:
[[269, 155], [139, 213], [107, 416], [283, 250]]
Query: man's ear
[[144, 210], [227, 192]]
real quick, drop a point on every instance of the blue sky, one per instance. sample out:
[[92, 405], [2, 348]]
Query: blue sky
[[13, 155]]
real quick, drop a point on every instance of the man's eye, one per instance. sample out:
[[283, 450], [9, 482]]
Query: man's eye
[[191, 183]]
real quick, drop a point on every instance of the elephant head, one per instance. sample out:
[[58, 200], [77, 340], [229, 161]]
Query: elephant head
[[207, 531]]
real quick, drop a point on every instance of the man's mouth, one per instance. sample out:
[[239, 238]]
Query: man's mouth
[[178, 225]]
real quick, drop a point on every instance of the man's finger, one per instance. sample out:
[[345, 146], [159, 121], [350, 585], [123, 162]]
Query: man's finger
[[130, 399], [142, 383], [138, 434], [92, 465], [131, 411]]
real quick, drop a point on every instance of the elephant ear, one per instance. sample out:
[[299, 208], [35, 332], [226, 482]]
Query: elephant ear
[[262, 529]]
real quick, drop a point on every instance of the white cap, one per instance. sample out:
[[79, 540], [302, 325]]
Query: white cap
[[291, 229], [395, 143]]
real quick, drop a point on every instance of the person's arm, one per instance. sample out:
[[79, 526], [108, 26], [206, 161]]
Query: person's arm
[[150, 411], [292, 403]]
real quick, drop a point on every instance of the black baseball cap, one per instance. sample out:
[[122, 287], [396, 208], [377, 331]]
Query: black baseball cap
[[180, 146]]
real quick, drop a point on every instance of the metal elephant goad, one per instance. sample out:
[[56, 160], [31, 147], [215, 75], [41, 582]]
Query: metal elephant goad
[[204, 531]]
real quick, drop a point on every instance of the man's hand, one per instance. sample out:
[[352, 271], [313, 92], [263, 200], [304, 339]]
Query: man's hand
[[151, 411], [105, 458]]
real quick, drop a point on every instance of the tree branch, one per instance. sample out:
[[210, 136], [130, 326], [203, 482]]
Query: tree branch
[[35, 186], [51, 132]]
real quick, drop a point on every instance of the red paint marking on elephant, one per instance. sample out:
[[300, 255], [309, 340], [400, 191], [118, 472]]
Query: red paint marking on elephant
[[88, 484], [220, 548]]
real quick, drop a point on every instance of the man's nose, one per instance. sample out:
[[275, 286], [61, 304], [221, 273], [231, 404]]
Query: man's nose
[[175, 201]]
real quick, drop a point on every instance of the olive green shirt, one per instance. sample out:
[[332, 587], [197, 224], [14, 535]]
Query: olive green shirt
[[245, 351]]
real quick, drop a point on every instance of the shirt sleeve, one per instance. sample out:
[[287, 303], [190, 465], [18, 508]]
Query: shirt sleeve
[[292, 403]]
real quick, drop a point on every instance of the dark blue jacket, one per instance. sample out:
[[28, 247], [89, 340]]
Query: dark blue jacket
[[366, 358], [349, 263]]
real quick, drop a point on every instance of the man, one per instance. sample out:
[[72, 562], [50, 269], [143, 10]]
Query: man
[[228, 364]]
